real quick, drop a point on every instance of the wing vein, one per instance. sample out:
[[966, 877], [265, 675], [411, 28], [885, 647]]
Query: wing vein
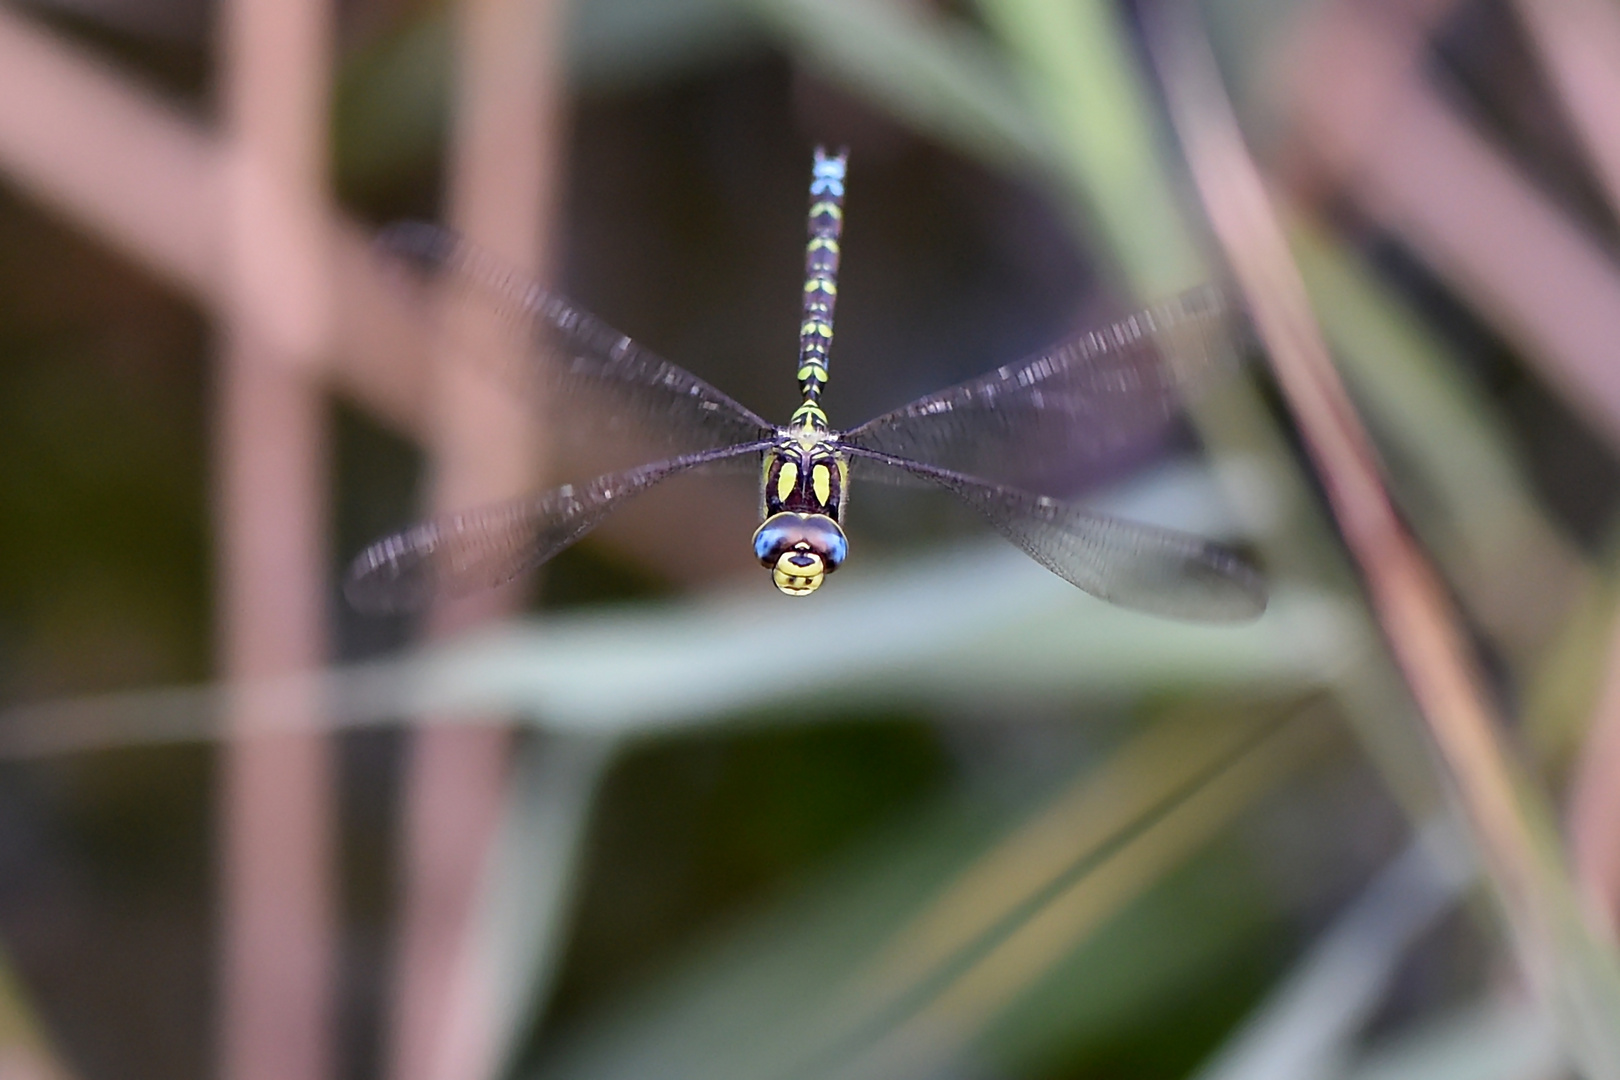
[[456, 553], [1134, 565]]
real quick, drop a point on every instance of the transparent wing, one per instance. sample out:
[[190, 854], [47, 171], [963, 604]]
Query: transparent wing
[[1138, 566], [667, 408], [455, 554], [1085, 401]]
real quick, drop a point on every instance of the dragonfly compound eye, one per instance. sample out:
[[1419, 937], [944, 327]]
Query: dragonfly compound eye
[[800, 550]]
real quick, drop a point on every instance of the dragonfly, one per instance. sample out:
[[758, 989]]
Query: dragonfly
[[1083, 400]]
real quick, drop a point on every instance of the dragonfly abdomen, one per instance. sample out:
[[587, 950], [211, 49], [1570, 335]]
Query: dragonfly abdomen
[[820, 283]]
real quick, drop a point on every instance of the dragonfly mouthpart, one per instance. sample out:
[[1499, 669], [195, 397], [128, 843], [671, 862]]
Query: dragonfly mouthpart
[[799, 573]]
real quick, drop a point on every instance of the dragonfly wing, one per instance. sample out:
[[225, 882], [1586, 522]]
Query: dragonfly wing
[[571, 351], [1086, 401], [454, 554], [1138, 566]]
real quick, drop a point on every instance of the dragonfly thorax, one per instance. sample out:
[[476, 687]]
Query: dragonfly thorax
[[802, 502], [804, 473]]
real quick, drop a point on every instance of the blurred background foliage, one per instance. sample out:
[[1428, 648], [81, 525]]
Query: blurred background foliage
[[1000, 830]]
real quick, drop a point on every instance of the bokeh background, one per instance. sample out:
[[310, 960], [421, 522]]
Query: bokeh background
[[949, 819]]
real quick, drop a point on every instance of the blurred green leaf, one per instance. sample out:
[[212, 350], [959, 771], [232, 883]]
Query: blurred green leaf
[[391, 103], [922, 941], [1305, 1027], [25, 1047], [1563, 691], [1061, 99], [1452, 457], [1506, 1039], [620, 45], [392, 99], [520, 924], [1079, 68], [1006, 631], [933, 72]]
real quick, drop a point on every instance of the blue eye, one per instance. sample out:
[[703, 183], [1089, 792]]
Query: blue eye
[[770, 538], [787, 530], [836, 545]]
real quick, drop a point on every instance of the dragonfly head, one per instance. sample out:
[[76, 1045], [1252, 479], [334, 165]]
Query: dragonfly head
[[800, 550]]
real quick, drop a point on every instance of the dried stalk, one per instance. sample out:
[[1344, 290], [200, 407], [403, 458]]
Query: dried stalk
[[277, 893], [1411, 163], [1594, 802], [147, 180], [486, 448], [1579, 42], [1412, 609]]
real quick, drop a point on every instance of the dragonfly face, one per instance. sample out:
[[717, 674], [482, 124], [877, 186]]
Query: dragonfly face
[[800, 550], [802, 501]]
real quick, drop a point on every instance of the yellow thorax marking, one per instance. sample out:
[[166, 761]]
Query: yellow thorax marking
[[786, 479], [821, 481], [808, 410]]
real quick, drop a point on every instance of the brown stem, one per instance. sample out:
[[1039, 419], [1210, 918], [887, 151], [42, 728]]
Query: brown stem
[[1416, 618], [503, 179], [277, 892]]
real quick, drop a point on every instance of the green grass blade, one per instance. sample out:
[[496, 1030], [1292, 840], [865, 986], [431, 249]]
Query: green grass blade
[[1008, 632], [1078, 67], [934, 73], [951, 916], [1507, 1039], [523, 909], [1454, 466], [1305, 1028]]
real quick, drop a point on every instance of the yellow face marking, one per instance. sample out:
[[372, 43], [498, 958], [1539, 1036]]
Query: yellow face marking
[[798, 580], [786, 480], [821, 482]]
